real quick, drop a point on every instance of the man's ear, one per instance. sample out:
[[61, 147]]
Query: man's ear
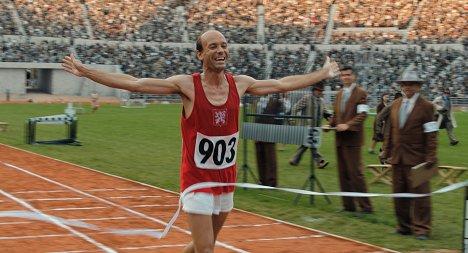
[[199, 55]]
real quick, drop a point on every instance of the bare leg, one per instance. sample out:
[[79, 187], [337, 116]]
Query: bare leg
[[205, 230]]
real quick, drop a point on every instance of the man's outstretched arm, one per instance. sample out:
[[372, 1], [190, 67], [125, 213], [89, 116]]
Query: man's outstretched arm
[[260, 87], [123, 81]]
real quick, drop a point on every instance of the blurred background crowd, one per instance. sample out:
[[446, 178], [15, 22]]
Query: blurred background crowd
[[272, 38]]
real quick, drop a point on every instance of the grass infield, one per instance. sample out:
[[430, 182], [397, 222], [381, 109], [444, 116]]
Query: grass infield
[[144, 145]]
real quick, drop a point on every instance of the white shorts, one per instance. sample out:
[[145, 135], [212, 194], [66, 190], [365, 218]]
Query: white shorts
[[207, 203]]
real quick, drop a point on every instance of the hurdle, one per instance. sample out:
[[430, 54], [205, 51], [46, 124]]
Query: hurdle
[[63, 119]]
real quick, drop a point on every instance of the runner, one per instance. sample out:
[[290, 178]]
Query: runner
[[209, 123]]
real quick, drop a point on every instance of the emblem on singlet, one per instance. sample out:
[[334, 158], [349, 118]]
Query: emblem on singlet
[[219, 117]]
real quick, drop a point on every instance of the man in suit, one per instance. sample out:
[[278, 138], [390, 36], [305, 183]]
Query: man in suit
[[312, 105], [350, 111], [266, 151], [411, 139], [445, 118]]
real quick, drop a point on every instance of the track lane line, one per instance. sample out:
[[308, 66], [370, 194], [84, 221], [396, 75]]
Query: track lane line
[[116, 205], [58, 223]]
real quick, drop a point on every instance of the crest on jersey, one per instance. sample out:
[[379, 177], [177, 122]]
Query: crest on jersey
[[219, 117]]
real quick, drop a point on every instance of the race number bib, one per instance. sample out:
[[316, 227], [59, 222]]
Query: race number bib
[[215, 152]]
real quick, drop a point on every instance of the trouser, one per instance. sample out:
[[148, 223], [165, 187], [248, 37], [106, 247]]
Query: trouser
[[413, 214], [301, 150], [351, 177], [266, 163], [449, 128]]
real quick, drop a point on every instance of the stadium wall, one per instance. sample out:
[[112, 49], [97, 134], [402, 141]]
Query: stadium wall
[[52, 79]]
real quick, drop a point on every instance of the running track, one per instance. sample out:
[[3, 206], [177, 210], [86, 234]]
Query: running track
[[44, 186]]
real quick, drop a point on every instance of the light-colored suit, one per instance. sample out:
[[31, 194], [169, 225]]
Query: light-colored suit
[[445, 117], [314, 107], [408, 146], [348, 147]]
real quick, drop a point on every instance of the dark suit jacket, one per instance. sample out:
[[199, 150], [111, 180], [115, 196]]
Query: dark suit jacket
[[354, 136], [410, 145]]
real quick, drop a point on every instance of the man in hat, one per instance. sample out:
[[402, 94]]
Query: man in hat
[[349, 113], [445, 117], [410, 140], [312, 105]]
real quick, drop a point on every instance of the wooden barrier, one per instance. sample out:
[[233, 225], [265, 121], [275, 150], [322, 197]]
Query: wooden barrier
[[450, 174], [381, 173]]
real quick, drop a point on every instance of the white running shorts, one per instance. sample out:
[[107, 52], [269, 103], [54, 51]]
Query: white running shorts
[[207, 203]]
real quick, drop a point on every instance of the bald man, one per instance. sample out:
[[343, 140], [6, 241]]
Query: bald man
[[209, 121]]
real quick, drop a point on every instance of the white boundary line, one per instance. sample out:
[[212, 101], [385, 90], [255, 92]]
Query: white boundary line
[[58, 223], [165, 190], [116, 205]]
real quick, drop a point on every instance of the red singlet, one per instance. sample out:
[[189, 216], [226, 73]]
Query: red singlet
[[210, 136]]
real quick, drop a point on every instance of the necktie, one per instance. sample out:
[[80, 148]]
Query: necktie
[[447, 103], [318, 112], [403, 113], [344, 99]]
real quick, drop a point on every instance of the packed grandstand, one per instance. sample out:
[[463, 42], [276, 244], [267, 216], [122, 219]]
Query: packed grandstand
[[270, 38]]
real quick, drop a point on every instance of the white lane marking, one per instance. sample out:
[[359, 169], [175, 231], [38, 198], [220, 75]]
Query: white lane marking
[[15, 222], [91, 190], [117, 205], [76, 208], [285, 238], [53, 199], [58, 223], [98, 219], [154, 247], [117, 189], [253, 225], [49, 191], [154, 205], [33, 236], [140, 197]]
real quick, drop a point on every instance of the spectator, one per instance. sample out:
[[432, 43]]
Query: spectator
[[445, 116], [378, 135], [312, 105]]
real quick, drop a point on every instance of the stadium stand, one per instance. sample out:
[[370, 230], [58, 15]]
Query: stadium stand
[[269, 39]]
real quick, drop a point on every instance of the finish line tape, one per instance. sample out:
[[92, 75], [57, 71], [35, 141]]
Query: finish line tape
[[38, 215]]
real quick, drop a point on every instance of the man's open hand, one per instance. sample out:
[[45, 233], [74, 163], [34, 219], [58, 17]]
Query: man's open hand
[[72, 65]]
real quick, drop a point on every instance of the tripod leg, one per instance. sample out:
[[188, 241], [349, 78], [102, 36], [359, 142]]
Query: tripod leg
[[322, 190], [298, 196]]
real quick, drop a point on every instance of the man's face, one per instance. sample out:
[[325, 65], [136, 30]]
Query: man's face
[[215, 51], [347, 77], [318, 93], [410, 88]]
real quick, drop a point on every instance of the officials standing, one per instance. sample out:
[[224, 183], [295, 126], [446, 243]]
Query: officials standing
[[350, 112], [410, 140]]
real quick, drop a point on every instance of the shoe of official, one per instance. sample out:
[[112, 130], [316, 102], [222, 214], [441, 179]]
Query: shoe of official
[[323, 164], [291, 162], [454, 142], [422, 237], [399, 232]]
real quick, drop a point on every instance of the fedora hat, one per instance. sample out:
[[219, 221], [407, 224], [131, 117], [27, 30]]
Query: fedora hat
[[410, 75]]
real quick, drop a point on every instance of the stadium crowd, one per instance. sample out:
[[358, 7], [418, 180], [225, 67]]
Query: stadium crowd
[[305, 24]]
